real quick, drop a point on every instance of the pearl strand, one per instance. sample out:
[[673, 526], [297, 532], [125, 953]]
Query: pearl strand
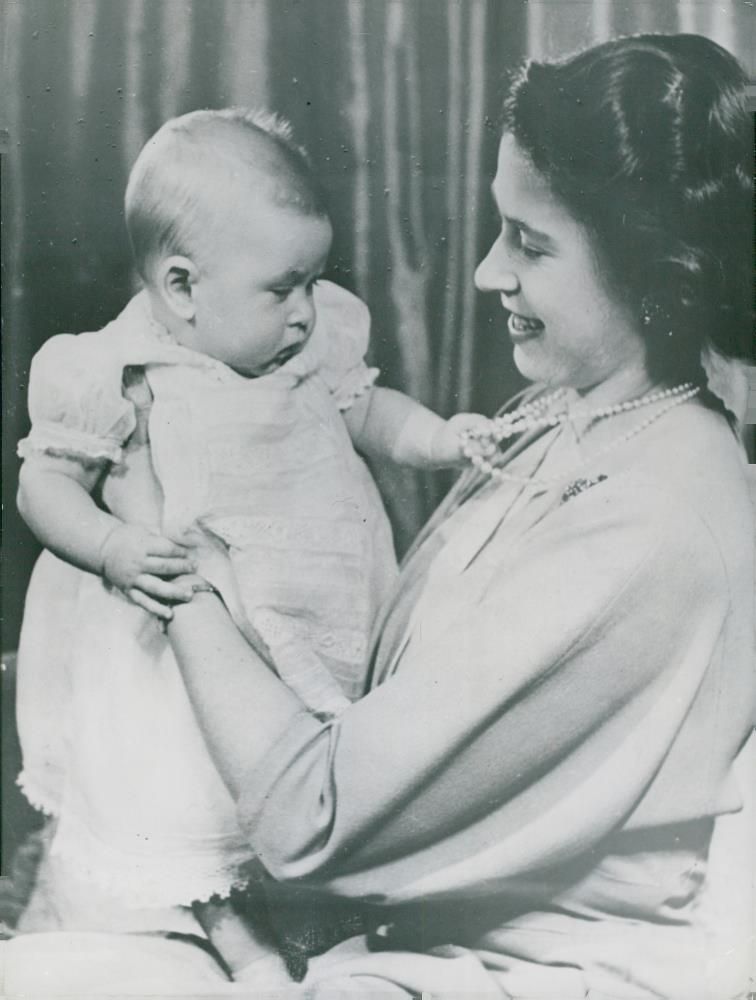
[[677, 395], [535, 415]]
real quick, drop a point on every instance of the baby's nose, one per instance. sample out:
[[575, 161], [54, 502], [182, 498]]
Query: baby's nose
[[302, 311]]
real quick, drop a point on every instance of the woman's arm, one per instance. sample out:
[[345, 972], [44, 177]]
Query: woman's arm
[[524, 732], [242, 706]]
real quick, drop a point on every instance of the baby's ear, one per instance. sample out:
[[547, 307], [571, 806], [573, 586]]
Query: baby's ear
[[176, 277]]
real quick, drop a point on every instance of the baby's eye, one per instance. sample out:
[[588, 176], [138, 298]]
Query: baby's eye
[[281, 293]]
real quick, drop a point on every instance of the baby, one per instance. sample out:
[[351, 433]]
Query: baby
[[249, 373]]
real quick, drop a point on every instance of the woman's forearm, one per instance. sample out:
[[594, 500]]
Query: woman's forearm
[[241, 705]]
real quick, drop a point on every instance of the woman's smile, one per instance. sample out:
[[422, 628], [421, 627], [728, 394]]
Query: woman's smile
[[524, 327]]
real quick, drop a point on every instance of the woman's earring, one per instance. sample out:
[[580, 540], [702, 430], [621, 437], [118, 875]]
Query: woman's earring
[[652, 312], [649, 309]]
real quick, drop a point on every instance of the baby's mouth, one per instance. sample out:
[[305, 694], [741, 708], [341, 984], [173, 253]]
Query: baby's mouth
[[524, 327], [286, 355]]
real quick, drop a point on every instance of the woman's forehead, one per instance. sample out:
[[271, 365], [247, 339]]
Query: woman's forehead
[[523, 194]]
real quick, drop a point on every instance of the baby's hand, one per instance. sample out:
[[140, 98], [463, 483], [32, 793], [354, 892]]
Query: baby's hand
[[136, 560], [448, 441]]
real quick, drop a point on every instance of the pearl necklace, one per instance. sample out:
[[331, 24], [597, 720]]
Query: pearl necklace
[[479, 446]]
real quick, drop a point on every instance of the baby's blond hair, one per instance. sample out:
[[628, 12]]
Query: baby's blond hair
[[178, 173]]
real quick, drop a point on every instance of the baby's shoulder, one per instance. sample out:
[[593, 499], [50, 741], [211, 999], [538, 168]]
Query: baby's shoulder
[[341, 334], [95, 354], [77, 380], [75, 357], [338, 344]]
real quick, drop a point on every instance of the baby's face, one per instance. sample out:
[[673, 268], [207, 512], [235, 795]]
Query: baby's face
[[253, 298]]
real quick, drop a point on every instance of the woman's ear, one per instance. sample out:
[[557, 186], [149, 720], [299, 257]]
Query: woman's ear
[[176, 279]]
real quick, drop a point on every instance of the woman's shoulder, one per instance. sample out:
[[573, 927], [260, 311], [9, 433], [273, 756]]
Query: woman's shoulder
[[694, 453], [677, 493], [690, 475]]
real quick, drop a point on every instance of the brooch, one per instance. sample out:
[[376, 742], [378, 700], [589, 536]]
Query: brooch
[[580, 485]]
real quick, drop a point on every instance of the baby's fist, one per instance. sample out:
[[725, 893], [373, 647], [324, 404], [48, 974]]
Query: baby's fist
[[449, 439], [143, 565]]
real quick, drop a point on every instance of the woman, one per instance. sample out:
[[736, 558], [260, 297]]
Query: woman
[[522, 806], [565, 675]]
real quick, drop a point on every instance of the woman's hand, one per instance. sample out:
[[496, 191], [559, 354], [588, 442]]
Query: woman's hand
[[211, 558]]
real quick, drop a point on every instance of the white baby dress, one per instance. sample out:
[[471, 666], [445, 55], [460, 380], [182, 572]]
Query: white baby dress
[[111, 746]]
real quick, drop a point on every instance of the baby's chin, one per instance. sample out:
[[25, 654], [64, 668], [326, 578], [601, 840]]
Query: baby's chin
[[279, 359], [246, 372]]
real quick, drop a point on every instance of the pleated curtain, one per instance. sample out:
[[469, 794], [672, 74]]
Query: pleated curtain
[[398, 103]]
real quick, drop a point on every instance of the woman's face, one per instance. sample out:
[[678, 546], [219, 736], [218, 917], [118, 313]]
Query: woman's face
[[567, 326]]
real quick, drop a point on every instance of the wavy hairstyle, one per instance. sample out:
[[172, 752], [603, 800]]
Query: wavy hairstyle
[[648, 143]]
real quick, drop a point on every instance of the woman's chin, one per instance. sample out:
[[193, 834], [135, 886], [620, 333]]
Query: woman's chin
[[529, 364]]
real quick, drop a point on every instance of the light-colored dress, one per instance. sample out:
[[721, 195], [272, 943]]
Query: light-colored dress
[[111, 746], [575, 667]]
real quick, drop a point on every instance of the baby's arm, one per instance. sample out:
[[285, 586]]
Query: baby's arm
[[54, 499], [387, 423]]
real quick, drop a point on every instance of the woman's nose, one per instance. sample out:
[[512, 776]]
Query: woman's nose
[[495, 273]]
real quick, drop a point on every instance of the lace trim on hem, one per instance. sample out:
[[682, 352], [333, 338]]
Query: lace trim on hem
[[36, 797], [147, 882], [86, 454], [356, 384]]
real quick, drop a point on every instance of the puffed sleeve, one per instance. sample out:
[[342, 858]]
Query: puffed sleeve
[[76, 404], [526, 728], [339, 343]]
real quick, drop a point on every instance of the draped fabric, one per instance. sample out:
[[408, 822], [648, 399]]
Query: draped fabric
[[397, 101]]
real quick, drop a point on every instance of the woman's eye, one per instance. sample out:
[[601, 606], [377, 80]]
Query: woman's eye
[[514, 238], [532, 253]]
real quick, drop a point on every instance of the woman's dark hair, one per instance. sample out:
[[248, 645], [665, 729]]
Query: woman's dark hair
[[648, 143]]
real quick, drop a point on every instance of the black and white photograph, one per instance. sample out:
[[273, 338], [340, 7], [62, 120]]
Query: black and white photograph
[[379, 499]]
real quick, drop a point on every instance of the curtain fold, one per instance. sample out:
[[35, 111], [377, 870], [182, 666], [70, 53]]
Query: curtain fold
[[397, 101]]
